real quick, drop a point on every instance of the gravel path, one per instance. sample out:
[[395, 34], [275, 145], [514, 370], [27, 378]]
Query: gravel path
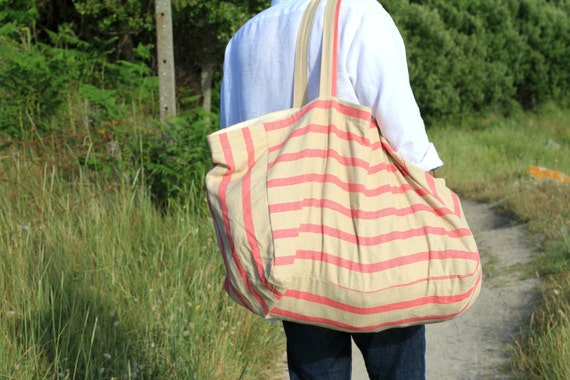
[[478, 344]]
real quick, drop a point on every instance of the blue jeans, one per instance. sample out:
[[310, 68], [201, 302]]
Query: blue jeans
[[323, 354]]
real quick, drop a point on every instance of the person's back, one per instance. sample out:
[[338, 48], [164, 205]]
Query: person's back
[[372, 71], [259, 69]]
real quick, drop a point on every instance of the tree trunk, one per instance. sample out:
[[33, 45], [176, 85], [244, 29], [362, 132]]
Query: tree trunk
[[165, 51], [206, 83]]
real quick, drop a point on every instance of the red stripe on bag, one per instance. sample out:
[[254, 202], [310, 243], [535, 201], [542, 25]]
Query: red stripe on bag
[[228, 286], [329, 129], [331, 153], [436, 300], [422, 319], [350, 111], [357, 214], [347, 327], [346, 186], [378, 266], [321, 153], [370, 240], [287, 122], [419, 280], [247, 214], [222, 192], [335, 51], [329, 178], [433, 188], [232, 291], [456, 204]]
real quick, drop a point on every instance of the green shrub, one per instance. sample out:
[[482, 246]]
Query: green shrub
[[545, 26], [178, 158], [468, 57], [32, 82], [37, 80], [465, 58]]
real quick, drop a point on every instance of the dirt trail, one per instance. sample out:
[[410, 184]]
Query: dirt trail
[[479, 344]]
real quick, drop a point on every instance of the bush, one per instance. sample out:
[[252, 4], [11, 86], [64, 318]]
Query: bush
[[33, 86], [545, 26], [470, 57], [178, 157], [37, 80], [465, 58]]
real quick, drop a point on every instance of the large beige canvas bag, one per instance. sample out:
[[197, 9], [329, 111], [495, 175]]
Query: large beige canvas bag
[[320, 221]]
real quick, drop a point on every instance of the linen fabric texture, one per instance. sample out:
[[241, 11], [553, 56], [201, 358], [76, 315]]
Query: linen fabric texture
[[320, 221], [372, 70]]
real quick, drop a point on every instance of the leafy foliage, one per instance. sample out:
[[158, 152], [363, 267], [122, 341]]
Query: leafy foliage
[[86, 69], [178, 158], [469, 57]]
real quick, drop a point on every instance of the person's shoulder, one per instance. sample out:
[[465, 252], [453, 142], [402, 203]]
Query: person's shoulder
[[365, 12], [277, 13], [361, 4]]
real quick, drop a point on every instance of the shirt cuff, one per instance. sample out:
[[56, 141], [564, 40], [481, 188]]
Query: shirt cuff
[[431, 160]]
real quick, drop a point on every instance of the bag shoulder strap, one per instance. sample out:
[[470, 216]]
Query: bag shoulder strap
[[301, 79], [329, 56], [329, 63]]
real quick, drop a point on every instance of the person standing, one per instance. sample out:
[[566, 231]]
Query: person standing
[[372, 71]]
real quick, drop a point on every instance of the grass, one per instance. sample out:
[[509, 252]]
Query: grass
[[545, 352], [96, 283], [488, 162]]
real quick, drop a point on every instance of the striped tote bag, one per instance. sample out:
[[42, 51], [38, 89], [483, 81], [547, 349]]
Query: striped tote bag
[[320, 221]]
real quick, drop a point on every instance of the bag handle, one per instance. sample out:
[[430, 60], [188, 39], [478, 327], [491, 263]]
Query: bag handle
[[301, 80], [329, 55], [329, 66]]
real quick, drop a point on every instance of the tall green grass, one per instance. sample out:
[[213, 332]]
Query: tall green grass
[[96, 283], [489, 162]]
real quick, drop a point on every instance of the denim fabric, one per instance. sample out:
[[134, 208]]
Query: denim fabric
[[319, 353]]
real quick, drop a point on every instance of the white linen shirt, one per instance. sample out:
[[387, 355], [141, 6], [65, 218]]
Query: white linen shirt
[[372, 71]]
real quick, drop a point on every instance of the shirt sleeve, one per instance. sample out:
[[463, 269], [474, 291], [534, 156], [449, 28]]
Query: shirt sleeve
[[378, 71]]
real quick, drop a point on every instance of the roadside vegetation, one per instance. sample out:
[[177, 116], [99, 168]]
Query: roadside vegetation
[[489, 161], [97, 283], [109, 267]]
